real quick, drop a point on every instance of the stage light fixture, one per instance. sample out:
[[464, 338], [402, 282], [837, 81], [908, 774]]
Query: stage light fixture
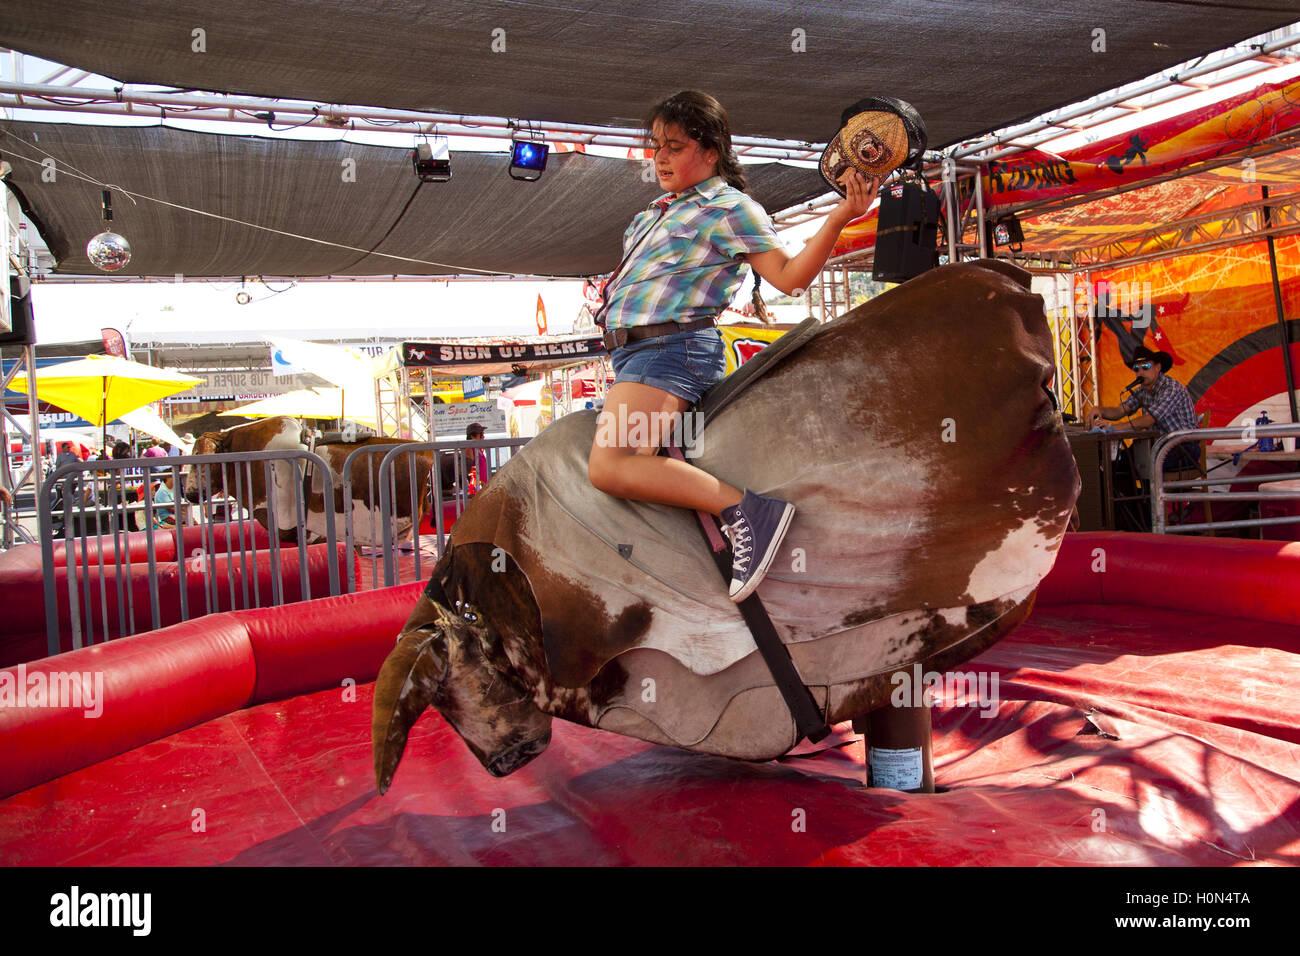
[[1007, 232], [432, 166], [527, 160]]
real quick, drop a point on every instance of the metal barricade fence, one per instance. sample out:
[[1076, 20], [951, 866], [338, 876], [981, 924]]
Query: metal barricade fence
[[1164, 492], [362, 533], [447, 457], [95, 495]]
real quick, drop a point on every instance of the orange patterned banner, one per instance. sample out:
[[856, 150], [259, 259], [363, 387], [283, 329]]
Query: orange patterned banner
[[1214, 313], [1230, 126]]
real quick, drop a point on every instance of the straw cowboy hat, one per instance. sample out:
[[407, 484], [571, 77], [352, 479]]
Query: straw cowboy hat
[[876, 136]]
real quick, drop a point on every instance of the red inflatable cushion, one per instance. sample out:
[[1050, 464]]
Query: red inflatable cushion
[[216, 538], [143, 687], [304, 647], [1230, 577]]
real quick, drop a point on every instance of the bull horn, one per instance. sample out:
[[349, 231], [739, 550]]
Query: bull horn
[[406, 685]]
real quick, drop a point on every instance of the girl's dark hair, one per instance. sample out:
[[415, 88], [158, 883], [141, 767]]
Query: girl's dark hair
[[704, 120]]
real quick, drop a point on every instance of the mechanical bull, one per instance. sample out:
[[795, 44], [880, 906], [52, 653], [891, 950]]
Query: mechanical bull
[[917, 437], [251, 492]]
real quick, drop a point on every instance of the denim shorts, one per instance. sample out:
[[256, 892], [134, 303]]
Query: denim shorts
[[687, 364]]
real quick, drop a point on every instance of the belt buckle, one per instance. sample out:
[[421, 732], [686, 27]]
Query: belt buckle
[[615, 338]]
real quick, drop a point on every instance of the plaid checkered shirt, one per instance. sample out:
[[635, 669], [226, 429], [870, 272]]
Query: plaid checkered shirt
[[681, 256], [1168, 403]]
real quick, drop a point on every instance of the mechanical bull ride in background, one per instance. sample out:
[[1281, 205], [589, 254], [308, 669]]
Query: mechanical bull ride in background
[[278, 434], [920, 442]]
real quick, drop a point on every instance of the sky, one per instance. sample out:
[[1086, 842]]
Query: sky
[[208, 312]]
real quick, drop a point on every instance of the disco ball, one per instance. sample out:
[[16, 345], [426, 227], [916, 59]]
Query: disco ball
[[109, 252]]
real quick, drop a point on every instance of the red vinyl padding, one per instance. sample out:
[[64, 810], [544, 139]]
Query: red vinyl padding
[[153, 685], [1232, 577], [1190, 772], [1236, 578], [305, 647], [179, 676], [224, 536], [450, 512], [21, 591], [1072, 579]]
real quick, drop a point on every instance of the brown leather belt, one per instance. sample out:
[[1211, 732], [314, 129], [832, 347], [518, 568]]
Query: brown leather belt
[[616, 338]]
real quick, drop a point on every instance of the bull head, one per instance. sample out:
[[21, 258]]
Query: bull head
[[450, 658], [199, 476]]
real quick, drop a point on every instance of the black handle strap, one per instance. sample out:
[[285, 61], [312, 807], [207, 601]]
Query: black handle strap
[[803, 707]]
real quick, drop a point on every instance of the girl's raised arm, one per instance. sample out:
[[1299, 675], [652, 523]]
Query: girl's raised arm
[[790, 273]]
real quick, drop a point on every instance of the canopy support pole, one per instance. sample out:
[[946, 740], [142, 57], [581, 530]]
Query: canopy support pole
[[1281, 316], [34, 417]]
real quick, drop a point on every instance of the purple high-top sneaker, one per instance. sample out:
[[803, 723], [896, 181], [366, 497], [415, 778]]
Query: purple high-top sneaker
[[755, 527]]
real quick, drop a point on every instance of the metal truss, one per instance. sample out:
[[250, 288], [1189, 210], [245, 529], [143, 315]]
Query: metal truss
[[1085, 371], [64, 90], [1074, 342], [1203, 233], [834, 293], [1206, 73], [399, 411]]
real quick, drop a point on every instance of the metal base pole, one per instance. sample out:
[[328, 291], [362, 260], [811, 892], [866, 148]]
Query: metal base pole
[[899, 748]]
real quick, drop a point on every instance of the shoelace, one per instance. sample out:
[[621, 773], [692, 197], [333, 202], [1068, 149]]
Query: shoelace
[[741, 540]]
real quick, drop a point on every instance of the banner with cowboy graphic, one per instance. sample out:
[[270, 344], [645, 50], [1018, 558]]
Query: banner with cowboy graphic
[[1214, 313]]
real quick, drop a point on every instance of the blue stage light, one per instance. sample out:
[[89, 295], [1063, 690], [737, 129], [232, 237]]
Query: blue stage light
[[527, 160]]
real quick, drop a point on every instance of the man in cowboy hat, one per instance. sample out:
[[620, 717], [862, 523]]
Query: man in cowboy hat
[[1166, 406]]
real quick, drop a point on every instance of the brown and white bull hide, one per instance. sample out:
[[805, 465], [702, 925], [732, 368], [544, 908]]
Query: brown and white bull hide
[[249, 489], [409, 501], [286, 434], [919, 442]]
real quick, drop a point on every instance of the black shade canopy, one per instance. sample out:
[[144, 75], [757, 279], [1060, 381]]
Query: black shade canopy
[[781, 68], [569, 223]]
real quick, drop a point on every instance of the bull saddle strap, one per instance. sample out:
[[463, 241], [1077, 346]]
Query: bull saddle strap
[[803, 707]]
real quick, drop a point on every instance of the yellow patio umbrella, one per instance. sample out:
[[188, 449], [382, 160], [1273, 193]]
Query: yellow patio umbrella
[[102, 388]]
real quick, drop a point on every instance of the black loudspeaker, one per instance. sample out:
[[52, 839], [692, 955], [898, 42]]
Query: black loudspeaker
[[20, 314], [907, 233]]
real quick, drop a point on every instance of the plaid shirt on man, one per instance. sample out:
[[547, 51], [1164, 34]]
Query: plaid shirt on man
[[1168, 403], [684, 263]]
